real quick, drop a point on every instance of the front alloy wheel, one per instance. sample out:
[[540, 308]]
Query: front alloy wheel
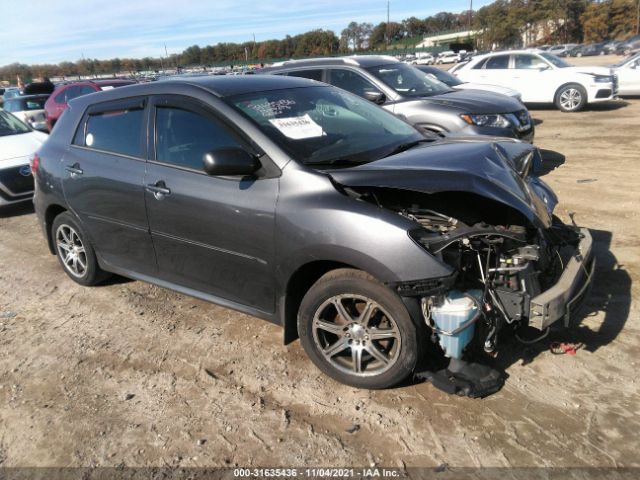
[[571, 98], [356, 335], [358, 331]]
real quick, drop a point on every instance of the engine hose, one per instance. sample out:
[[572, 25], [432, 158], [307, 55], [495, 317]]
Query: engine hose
[[535, 340]]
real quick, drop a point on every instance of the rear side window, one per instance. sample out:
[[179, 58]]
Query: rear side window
[[72, 92], [184, 136], [117, 131], [498, 62], [315, 74]]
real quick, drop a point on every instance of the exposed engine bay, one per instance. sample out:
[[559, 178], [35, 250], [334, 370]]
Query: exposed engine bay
[[500, 271]]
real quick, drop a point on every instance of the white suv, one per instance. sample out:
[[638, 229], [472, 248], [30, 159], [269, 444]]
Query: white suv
[[448, 57], [542, 78]]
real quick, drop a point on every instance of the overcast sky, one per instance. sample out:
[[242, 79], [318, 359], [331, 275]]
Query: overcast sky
[[39, 31]]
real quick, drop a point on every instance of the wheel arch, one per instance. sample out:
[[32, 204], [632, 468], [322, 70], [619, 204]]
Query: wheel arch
[[297, 286], [50, 214]]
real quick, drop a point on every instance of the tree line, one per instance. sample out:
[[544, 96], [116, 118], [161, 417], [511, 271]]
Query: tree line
[[503, 24]]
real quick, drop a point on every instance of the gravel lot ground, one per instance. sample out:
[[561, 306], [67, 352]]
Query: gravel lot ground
[[128, 373]]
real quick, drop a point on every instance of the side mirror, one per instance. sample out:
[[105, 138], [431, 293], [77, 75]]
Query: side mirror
[[230, 161], [542, 67], [375, 96]]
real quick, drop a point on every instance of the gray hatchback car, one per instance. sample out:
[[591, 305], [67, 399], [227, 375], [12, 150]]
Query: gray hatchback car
[[312, 208], [428, 104]]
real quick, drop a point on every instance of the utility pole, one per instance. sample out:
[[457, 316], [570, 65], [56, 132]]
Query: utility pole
[[470, 13], [388, 26], [638, 19]]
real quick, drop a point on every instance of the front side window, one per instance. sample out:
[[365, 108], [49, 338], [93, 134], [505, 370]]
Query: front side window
[[408, 81], [529, 62], [183, 137], [350, 81], [498, 62], [117, 131], [325, 125]]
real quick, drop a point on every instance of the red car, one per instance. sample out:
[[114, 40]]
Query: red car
[[58, 100]]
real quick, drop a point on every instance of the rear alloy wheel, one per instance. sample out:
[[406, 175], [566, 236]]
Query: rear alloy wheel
[[357, 331], [571, 98], [75, 253]]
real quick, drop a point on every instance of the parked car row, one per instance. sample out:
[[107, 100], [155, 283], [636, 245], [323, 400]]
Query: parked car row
[[430, 105], [607, 47]]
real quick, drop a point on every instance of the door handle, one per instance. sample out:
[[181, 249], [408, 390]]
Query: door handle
[[74, 170], [159, 190]]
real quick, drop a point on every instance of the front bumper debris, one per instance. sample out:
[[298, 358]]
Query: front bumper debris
[[566, 296]]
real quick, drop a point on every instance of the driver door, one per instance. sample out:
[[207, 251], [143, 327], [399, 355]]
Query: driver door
[[535, 76], [211, 234], [629, 78]]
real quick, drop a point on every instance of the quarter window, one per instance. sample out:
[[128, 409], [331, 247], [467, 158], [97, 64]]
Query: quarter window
[[315, 74], [183, 137], [117, 131]]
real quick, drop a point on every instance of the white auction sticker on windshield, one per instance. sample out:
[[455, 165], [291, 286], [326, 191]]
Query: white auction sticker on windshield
[[298, 128]]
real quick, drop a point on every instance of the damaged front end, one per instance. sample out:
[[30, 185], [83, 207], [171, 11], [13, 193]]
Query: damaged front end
[[516, 266]]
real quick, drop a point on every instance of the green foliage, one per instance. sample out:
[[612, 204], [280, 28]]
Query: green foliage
[[503, 24]]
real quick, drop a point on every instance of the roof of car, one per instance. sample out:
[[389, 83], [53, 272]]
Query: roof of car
[[363, 61], [228, 85], [221, 86]]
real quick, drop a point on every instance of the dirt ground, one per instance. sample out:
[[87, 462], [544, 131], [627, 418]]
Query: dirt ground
[[131, 374]]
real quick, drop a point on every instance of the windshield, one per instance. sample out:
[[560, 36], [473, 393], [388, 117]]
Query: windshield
[[326, 125], [628, 60], [408, 80], [442, 76], [556, 61], [10, 125]]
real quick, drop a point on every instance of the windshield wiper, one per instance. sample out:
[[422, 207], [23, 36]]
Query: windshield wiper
[[403, 147]]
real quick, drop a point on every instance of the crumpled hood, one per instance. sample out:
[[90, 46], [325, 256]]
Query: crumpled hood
[[475, 101], [21, 145], [485, 168]]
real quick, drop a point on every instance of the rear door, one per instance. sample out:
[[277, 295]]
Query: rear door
[[211, 234], [103, 184]]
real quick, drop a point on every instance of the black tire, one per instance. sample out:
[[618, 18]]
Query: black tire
[[390, 313], [83, 252], [574, 90]]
